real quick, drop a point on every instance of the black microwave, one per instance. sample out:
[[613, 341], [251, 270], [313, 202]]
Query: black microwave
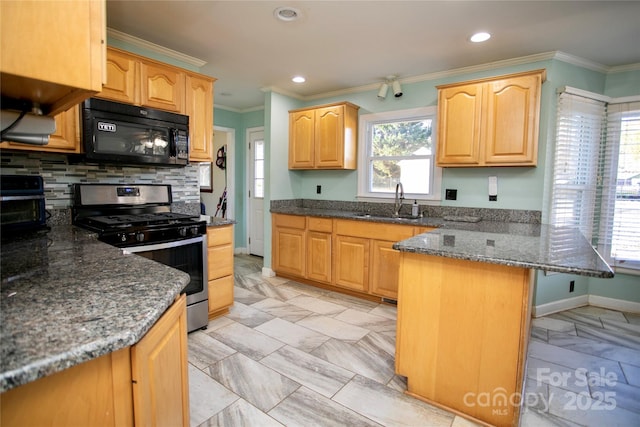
[[125, 134]]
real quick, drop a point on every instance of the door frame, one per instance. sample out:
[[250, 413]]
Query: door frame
[[230, 164], [248, 173]]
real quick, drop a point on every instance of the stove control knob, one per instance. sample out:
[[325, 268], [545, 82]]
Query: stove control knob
[[182, 231], [123, 237], [140, 237], [194, 230]]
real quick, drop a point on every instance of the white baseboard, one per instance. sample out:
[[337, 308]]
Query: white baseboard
[[582, 300], [267, 272], [614, 304], [241, 251], [561, 305]]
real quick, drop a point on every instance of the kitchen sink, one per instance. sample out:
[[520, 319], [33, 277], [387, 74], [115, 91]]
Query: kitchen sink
[[397, 218]]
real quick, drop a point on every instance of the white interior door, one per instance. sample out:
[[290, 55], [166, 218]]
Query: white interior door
[[255, 233]]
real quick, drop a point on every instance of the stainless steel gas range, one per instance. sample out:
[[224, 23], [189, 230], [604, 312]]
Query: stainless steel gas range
[[138, 219]]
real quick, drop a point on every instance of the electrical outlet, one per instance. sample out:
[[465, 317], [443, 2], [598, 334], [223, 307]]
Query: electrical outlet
[[318, 189], [572, 285], [450, 194]]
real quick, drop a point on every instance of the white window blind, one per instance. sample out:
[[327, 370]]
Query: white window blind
[[618, 237], [579, 130]]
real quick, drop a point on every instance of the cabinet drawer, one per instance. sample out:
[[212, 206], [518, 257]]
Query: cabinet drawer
[[320, 224], [392, 232], [220, 261], [219, 235], [220, 293], [290, 221]]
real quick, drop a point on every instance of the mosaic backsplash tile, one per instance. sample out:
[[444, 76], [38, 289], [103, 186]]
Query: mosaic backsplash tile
[[58, 175]]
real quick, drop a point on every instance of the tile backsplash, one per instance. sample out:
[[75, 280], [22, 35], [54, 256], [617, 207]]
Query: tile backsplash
[[58, 175]]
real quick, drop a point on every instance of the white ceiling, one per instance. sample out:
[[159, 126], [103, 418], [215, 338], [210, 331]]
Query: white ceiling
[[338, 45]]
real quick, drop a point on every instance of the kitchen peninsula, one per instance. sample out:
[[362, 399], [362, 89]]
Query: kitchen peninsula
[[464, 307], [89, 333], [465, 280]]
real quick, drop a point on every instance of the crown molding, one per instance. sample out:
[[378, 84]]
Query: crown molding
[[239, 110], [138, 42]]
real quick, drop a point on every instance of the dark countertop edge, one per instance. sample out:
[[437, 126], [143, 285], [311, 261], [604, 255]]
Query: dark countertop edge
[[355, 216], [511, 263], [219, 222], [441, 223], [96, 348]]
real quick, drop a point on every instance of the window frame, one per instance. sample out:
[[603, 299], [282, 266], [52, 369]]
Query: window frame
[[594, 221], [364, 145]]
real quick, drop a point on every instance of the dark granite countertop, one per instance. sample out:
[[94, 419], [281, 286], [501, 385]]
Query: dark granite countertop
[[66, 298], [535, 246], [213, 221]]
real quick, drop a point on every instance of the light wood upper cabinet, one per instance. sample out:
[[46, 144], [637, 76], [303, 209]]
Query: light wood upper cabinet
[[490, 122], [323, 137], [52, 53], [66, 138], [199, 108], [162, 87], [122, 78], [136, 80]]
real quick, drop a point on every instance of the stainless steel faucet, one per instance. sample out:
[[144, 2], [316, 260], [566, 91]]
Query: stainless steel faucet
[[399, 198]]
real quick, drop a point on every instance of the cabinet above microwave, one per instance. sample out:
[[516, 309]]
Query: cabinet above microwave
[[52, 53]]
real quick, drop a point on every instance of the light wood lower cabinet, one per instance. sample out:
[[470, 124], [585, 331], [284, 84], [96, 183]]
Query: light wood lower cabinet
[[159, 368], [351, 262], [220, 269], [289, 244], [356, 256], [467, 323], [143, 385], [319, 249]]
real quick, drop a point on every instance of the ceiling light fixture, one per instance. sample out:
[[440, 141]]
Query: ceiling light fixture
[[298, 79], [286, 13], [395, 85], [480, 37]]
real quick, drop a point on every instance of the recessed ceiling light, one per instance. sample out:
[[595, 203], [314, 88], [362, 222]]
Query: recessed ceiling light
[[480, 37], [298, 79], [286, 13]]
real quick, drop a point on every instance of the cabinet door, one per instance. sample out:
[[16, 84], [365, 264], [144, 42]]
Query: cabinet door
[[122, 81], [512, 116], [351, 262], [66, 138], [329, 137], [319, 256], [220, 294], [159, 371], [385, 266], [52, 51], [199, 108], [289, 251], [459, 125], [162, 87], [301, 139]]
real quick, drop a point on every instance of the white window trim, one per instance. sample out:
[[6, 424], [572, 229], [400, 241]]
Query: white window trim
[[365, 121]]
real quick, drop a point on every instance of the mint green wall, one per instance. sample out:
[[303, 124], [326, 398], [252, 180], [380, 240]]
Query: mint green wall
[[518, 188], [240, 122]]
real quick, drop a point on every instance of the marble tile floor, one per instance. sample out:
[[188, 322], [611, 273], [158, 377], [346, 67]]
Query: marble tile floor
[[289, 354]]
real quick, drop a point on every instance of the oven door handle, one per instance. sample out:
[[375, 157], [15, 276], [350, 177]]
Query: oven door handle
[[160, 246]]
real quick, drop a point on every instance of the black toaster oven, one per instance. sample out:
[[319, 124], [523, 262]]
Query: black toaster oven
[[23, 203]]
